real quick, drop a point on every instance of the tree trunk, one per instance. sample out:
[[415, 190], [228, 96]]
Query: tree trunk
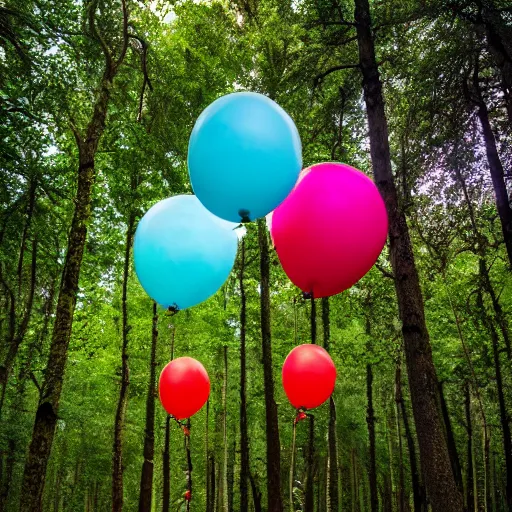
[[207, 456], [452, 447], [275, 502], [223, 487], [417, 488], [435, 460], [309, 503], [310, 461], [166, 456], [117, 473], [146, 479], [256, 494], [16, 336], [211, 503], [48, 407], [400, 495], [244, 440], [495, 168], [370, 421], [505, 427], [333, 501], [470, 503], [7, 477]]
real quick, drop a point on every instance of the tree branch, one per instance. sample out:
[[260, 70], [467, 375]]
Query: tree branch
[[96, 33], [319, 78], [125, 33]]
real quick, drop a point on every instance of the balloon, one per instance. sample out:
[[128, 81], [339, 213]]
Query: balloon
[[244, 156], [330, 230], [183, 253], [309, 376], [184, 387]]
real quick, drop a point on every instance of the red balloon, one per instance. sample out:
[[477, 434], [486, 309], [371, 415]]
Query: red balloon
[[184, 387], [330, 230], [309, 376]]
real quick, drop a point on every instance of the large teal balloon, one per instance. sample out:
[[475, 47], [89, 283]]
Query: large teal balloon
[[183, 253], [244, 156]]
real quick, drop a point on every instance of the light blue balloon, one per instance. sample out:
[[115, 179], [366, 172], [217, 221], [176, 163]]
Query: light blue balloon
[[244, 156], [183, 254]]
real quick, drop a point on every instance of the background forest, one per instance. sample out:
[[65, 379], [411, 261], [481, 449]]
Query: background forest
[[97, 102]]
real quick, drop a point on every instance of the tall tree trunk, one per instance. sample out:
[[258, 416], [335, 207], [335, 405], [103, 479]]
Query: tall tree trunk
[[166, 455], [117, 472], [417, 488], [479, 249], [16, 336], [333, 501], [211, 504], [48, 407], [354, 480], [275, 502], [310, 461], [452, 446], [244, 440], [146, 479], [370, 421], [207, 456], [504, 420], [435, 460], [470, 503], [400, 498], [256, 494], [309, 503], [495, 167], [223, 487]]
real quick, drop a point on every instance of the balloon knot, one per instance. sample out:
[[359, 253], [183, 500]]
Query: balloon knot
[[244, 216], [186, 430], [173, 309], [307, 295], [187, 495], [301, 415]]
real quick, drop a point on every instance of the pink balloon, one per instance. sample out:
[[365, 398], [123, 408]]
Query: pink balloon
[[330, 230]]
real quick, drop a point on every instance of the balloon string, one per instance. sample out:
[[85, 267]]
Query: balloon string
[[301, 415], [185, 427], [188, 492]]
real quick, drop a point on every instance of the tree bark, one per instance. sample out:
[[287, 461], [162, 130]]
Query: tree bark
[[470, 503], [256, 494], [223, 487], [48, 407], [333, 501], [417, 488], [435, 460], [452, 446], [370, 421], [309, 503], [504, 421], [495, 168], [166, 456], [275, 502], [17, 336], [244, 440], [146, 479], [117, 472]]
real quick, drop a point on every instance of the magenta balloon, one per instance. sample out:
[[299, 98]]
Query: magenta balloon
[[330, 230]]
